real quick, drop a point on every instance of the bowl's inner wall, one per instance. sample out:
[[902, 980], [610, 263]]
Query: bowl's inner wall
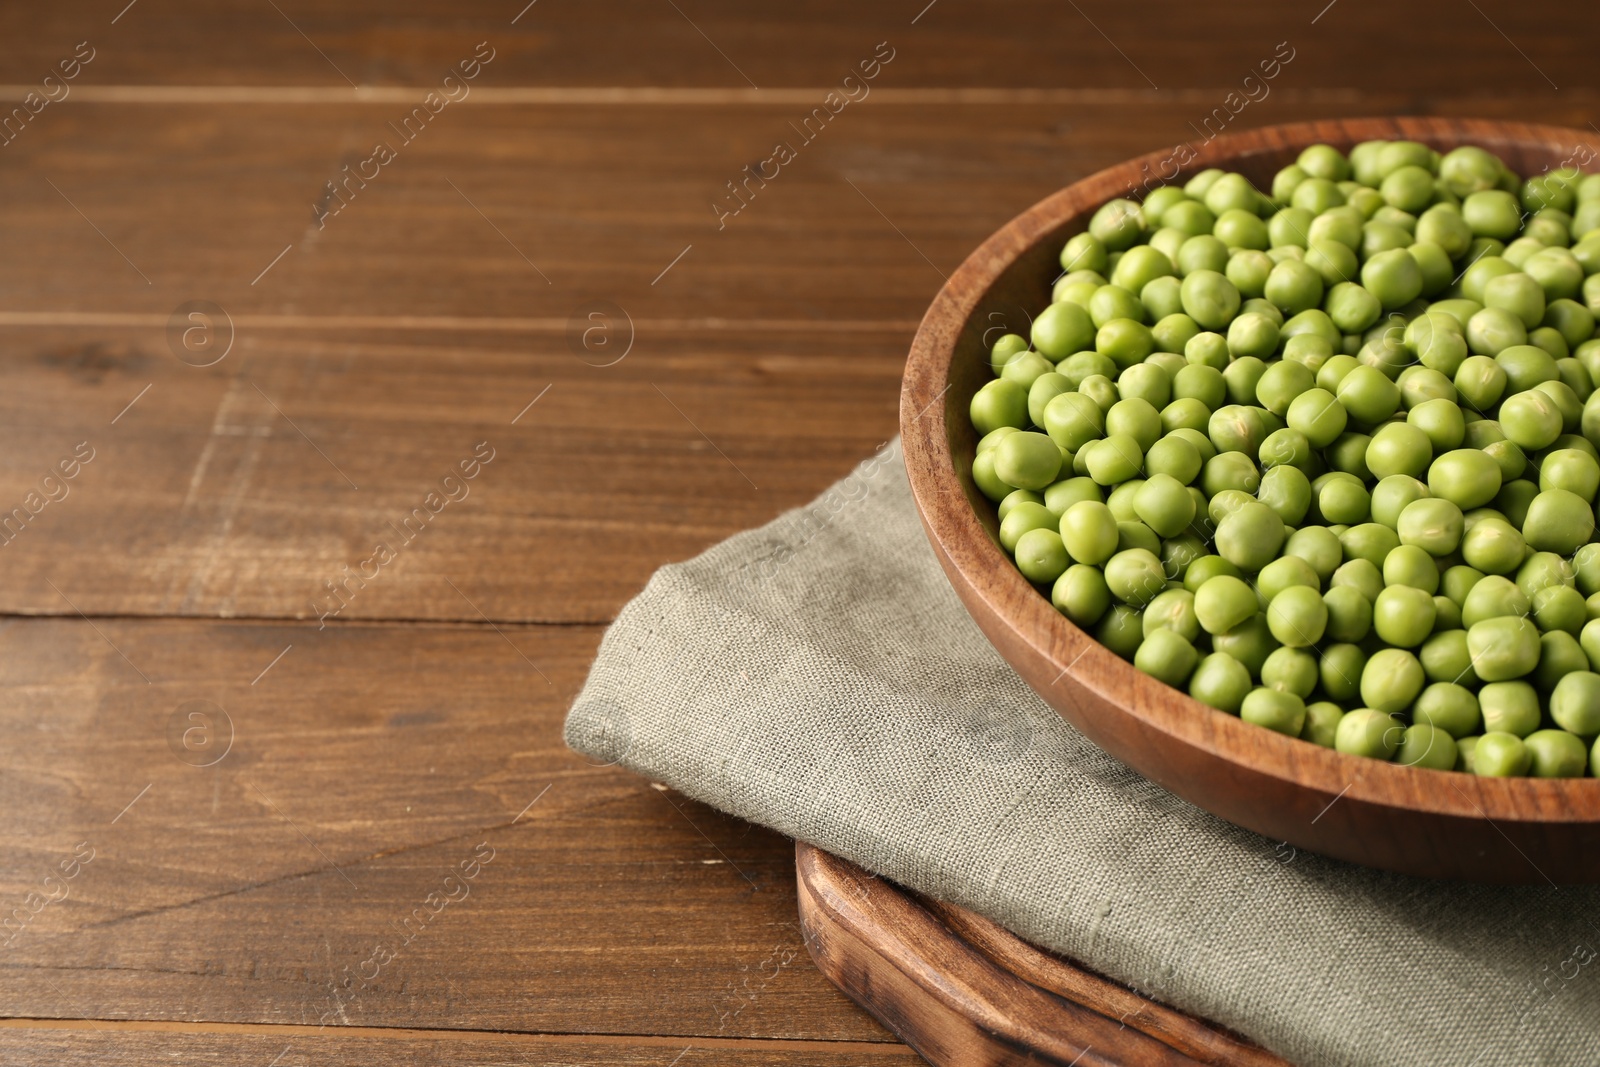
[[1023, 289]]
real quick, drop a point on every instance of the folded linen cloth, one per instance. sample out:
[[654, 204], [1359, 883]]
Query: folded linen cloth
[[820, 677]]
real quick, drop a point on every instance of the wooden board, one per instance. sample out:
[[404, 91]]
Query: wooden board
[[366, 765], [202, 1045], [963, 990]]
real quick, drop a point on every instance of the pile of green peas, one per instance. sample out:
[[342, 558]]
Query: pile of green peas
[[1325, 457]]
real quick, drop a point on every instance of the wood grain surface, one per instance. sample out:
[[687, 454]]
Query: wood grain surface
[[215, 922], [963, 991]]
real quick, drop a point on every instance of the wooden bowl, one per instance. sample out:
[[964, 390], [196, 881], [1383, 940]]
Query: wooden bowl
[[1434, 823]]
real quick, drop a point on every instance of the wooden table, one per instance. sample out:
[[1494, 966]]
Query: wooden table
[[253, 821]]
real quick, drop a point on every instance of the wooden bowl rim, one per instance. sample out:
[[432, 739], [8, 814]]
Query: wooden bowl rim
[[954, 527]]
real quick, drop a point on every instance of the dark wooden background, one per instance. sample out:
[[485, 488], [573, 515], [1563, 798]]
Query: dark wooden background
[[229, 910]]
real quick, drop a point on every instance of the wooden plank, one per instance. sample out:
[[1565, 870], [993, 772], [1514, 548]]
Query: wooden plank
[[85, 1042], [763, 365], [961, 989], [720, 43], [532, 212], [289, 882], [224, 491]]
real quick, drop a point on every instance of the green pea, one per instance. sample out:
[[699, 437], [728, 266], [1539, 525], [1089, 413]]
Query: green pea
[[1448, 707], [992, 438], [1555, 754], [1021, 518], [1464, 477], [1239, 228], [1575, 703], [1398, 448], [1286, 491], [999, 403], [1207, 350], [1445, 228], [1440, 420], [1119, 630], [1340, 671], [1458, 581], [1492, 213], [1494, 597], [1509, 707], [1221, 682], [1027, 460], [1135, 576], [1175, 458], [1559, 608], [1517, 293], [1089, 531], [1394, 277], [1433, 525], [1025, 368], [1015, 497], [1368, 395], [1557, 271], [1322, 723], [1114, 459], [1423, 745], [1586, 568], [1493, 546], [1190, 217], [1009, 345], [1560, 654], [1136, 418], [1558, 521], [1139, 266], [1446, 657], [1349, 614], [1223, 603], [1468, 169], [1252, 334], [1164, 654], [1061, 330], [1081, 368], [1500, 755], [1251, 642], [1368, 732], [1318, 547], [1081, 594], [1084, 251], [1392, 495], [986, 480], [1274, 709], [1370, 541], [1114, 302], [1172, 610], [1297, 616], [1403, 616], [1135, 535], [1362, 575], [1126, 341], [1118, 224], [1292, 670], [1503, 648], [1205, 568], [1439, 348], [1480, 381], [1391, 680], [1251, 537], [1040, 556], [1352, 307], [1229, 470], [1073, 420], [1210, 299], [1411, 567], [1493, 330], [1174, 332]]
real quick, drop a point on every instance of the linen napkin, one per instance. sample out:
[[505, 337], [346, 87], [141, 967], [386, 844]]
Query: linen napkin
[[820, 677]]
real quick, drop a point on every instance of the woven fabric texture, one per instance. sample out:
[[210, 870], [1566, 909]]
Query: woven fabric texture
[[819, 676]]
